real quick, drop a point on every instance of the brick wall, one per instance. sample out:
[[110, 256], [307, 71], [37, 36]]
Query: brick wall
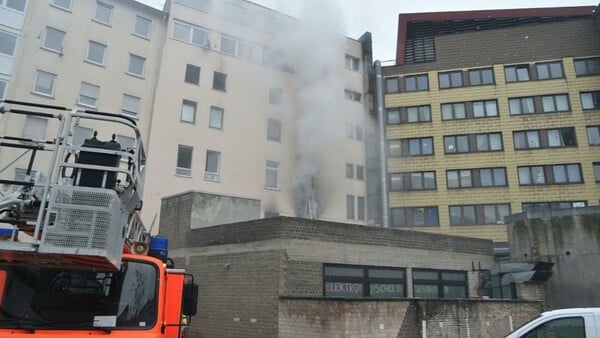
[[443, 318], [237, 294]]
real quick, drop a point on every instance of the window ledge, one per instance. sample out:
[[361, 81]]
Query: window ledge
[[140, 36], [58, 52], [272, 189], [51, 96], [135, 75], [94, 63], [183, 176], [68, 10], [86, 106], [101, 22]]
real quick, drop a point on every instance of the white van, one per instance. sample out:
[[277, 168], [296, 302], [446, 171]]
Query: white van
[[564, 323]]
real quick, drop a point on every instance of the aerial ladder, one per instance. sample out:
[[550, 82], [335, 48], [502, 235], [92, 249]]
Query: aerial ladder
[[72, 244]]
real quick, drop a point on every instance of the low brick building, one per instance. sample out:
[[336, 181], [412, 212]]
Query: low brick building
[[289, 277]]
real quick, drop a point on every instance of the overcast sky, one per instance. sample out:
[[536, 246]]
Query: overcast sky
[[380, 17]]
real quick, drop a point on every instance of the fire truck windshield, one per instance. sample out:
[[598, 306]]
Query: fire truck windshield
[[36, 298]]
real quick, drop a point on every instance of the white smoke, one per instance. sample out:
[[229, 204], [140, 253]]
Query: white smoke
[[314, 49]]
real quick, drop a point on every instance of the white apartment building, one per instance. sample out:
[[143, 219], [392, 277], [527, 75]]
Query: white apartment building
[[231, 98], [12, 13], [237, 112]]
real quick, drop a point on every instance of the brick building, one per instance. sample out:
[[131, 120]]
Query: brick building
[[491, 113], [282, 277]]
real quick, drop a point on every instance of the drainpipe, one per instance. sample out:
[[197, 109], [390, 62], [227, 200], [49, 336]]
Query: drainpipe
[[382, 153]]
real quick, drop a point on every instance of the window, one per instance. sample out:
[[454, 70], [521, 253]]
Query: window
[[523, 105], [352, 62], [482, 142], [64, 4], [350, 206], [392, 85], [493, 177], [275, 95], [274, 130], [587, 67], [547, 207], [411, 147], [213, 164], [414, 217], [596, 166], [593, 133], [237, 14], [191, 34], [131, 105], [450, 79], [546, 138], [453, 111], [456, 144], [228, 45], [360, 208], [88, 95], [272, 175], [80, 134], [526, 139], [487, 108], [126, 142], [420, 49], [462, 215], [96, 53], [352, 95], [358, 132], [413, 181], [414, 114], [44, 83], [216, 117], [184, 160], [18, 5], [136, 65], [516, 73], [8, 42], [467, 178], [590, 100], [219, 81], [439, 284], [35, 128], [103, 13], [360, 172], [549, 70], [478, 214], [54, 39], [142, 26], [2, 89], [363, 281], [416, 83], [572, 327], [192, 74], [349, 170], [188, 111], [555, 103], [550, 174], [478, 77]]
